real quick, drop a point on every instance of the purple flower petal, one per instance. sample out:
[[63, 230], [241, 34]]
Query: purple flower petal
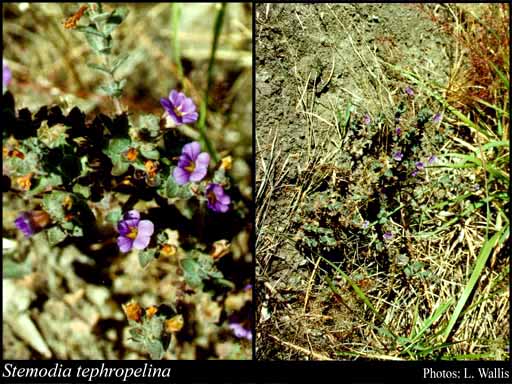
[[420, 165], [432, 159], [201, 167], [141, 241], [218, 201], [398, 156], [127, 225], [6, 75], [366, 119], [240, 332], [166, 104], [146, 228], [436, 118], [174, 97], [132, 215], [184, 161], [203, 159], [180, 108], [192, 164], [188, 106], [198, 174], [409, 91], [190, 117], [123, 228], [192, 150], [387, 236], [22, 222], [124, 243], [181, 176], [224, 200]]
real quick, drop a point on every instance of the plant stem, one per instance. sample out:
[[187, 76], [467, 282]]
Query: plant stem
[[202, 119], [117, 104], [115, 100]]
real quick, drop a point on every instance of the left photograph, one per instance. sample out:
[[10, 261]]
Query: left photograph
[[127, 181]]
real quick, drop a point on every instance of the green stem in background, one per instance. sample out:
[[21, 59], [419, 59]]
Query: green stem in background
[[175, 41], [115, 99], [202, 116]]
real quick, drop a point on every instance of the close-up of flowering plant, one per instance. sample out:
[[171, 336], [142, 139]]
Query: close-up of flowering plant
[[127, 181]]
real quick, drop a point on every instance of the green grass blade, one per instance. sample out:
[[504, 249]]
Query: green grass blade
[[500, 74], [428, 323], [485, 252]]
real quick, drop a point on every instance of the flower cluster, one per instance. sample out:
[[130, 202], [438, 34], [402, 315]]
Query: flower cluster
[[193, 164]]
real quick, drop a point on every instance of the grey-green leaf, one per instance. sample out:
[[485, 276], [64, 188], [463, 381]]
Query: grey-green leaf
[[56, 235], [119, 62], [155, 349], [146, 256], [115, 18], [101, 17], [13, 270], [90, 29], [115, 216], [100, 68], [119, 167]]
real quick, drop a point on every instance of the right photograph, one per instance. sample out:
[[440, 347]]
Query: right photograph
[[382, 178]]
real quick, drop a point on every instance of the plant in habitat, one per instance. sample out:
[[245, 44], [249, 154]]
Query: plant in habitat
[[382, 203], [131, 185], [409, 187]]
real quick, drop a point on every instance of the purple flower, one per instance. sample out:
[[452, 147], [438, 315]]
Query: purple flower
[[414, 173], [218, 201], [366, 224], [420, 165], [134, 232], [398, 156], [22, 222], [436, 118], [192, 165], [181, 108], [431, 159], [476, 187], [366, 119], [409, 91], [6, 75], [398, 131], [240, 331], [32, 222], [248, 287], [387, 236]]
